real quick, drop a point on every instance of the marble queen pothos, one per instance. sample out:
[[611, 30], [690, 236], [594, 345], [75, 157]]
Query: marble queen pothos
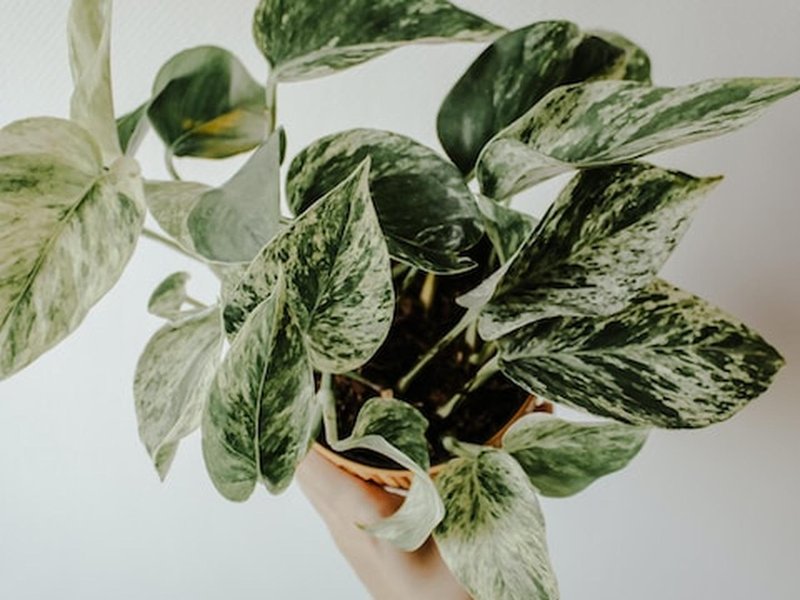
[[570, 309]]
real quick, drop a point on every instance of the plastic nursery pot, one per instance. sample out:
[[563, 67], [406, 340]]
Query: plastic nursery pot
[[401, 478]]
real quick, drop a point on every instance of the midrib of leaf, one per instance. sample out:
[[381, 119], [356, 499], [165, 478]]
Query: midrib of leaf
[[47, 247]]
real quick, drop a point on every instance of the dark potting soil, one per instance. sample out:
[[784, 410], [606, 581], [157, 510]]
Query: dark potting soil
[[414, 331]]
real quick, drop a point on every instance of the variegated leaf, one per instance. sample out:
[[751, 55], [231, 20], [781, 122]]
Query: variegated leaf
[[507, 228], [170, 295], [91, 105], [604, 238], [261, 417], [493, 534], [131, 129], [514, 73], [633, 65], [338, 277], [206, 104], [562, 458], [396, 430], [426, 210], [309, 39], [233, 222], [170, 203], [67, 229], [609, 122], [669, 359], [173, 377]]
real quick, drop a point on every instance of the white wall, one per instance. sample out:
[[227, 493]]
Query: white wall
[[708, 514]]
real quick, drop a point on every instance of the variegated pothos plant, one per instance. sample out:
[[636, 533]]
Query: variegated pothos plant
[[572, 311]]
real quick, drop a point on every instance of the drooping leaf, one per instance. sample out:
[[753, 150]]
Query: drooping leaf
[[260, 416], [608, 122], [67, 229], [562, 458], [493, 534], [515, 72], [173, 377], [669, 359], [309, 39], [633, 65], [396, 430], [170, 295], [338, 277], [426, 210], [91, 105], [507, 228], [604, 239], [131, 129], [206, 104], [170, 203], [233, 222]]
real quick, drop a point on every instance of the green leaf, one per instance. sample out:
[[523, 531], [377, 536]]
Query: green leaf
[[309, 39], [514, 73], [233, 222], [669, 359], [605, 238], [170, 295], [131, 129], [607, 122], [91, 105], [396, 430], [633, 65], [425, 209], [507, 228], [170, 203], [206, 104], [260, 417], [172, 382], [562, 458], [338, 277], [68, 228], [493, 534]]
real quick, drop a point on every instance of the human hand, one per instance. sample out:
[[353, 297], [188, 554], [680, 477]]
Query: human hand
[[343, 500]]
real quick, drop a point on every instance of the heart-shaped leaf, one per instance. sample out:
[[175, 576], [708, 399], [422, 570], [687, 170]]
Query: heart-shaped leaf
[[91, 105], [396, 430], [604, 238], [309, 39], [427, 212], [206, 104], [261, 417], [562, 458], [506, 228], [669, 359], [68, 226], [514, 73], [170, 295], [493, 534], [608, 122], [338, 277], [173, 377]]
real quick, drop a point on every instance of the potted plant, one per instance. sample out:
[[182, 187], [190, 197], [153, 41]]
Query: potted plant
[[404, 303]]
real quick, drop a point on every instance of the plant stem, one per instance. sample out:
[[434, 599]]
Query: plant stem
[[466, 320], [409, 279], [168, 156], [357, 377], [271, 102], [195, 303], [486, 372], [427, 292], [157, 237]]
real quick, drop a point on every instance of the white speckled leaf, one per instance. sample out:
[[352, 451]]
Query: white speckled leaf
[[172, 381], [396, 430], [170, 295], [260, 417], [562, 458], [493, 534], [507, 228], [67, 230], [338, 277], [604, 238], [234, 221], [425, 208], [318, 37], [91, 105], [170, 203], [669, 359], [608, 122], [632, 65]]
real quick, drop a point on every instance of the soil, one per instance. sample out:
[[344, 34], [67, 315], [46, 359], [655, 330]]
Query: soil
[[414, 330]]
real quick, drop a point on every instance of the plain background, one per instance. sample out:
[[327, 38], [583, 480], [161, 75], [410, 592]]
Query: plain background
[[709, 514]]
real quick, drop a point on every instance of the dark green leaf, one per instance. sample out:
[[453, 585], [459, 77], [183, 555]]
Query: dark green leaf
[[132, 128], [507, 228]]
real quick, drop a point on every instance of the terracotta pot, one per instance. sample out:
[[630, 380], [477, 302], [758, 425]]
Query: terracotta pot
[[401, 478]]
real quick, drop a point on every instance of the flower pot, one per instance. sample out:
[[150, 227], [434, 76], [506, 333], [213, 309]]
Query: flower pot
[[401, 478]]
